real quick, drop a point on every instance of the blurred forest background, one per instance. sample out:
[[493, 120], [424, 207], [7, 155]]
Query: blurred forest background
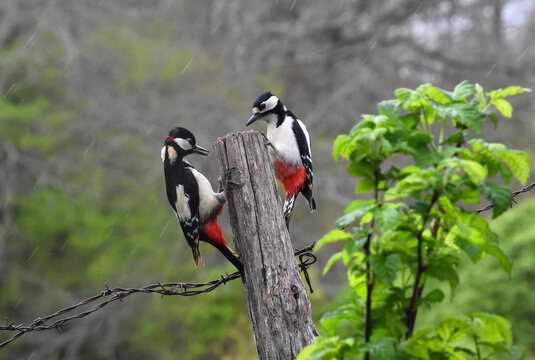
[[89, 89]]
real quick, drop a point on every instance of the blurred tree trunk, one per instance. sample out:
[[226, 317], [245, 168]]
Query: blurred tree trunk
[[279, 307]]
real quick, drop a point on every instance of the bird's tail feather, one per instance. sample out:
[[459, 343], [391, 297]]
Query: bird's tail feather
[[197, 255], [231, 256]]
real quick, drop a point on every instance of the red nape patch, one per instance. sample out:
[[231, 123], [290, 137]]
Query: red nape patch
[[214, 233], [292, 177]]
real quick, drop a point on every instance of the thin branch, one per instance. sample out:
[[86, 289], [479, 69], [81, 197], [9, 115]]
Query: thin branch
[[369, 274], [118, 293], [417, 291], [514, 194]]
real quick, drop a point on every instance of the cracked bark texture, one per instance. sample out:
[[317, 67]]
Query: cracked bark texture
[[278, 303]]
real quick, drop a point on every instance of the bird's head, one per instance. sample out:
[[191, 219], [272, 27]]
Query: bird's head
[[180, 143], [264, 105]]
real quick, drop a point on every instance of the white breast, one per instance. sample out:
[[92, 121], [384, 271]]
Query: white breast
[[283, 139], [208, 199]]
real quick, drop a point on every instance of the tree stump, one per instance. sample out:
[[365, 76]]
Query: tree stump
[[278, 303]]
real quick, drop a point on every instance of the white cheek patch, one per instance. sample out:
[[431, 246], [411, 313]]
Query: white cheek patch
[[172, 154], [183, 143], [271, 102]]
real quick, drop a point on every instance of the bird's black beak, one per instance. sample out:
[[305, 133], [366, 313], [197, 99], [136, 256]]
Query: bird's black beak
[[200, 150], [253, 118]]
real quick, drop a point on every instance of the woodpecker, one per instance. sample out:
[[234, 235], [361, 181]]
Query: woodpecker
[[192, 198], [291, 144]]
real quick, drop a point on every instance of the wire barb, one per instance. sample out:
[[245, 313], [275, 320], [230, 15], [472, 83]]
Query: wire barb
[[117, 293], [513, 195]]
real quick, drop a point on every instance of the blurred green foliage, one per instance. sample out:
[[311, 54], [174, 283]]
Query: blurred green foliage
[[103, 220]]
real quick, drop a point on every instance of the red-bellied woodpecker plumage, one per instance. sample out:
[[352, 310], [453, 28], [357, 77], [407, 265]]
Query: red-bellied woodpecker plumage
[[192, 198], [291, 142]]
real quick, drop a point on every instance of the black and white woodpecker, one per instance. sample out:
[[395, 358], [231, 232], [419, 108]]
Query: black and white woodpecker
[[291, 142], [192, 198]]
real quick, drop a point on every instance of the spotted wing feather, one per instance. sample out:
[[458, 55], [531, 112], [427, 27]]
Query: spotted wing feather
[[303, 143], [183, 196]]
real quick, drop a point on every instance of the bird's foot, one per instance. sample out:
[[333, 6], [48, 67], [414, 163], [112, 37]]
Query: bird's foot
[[228, 176]]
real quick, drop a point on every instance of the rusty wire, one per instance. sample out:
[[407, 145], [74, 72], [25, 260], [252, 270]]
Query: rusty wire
[[118, 293], [514, 194]]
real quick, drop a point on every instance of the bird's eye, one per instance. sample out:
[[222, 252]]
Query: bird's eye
[[262, 106]]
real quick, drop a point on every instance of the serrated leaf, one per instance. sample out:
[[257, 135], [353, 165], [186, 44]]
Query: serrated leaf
[[380, 348], [475, 171], [519, 164], [499, 195], [463, 90], [462, 113], [508, 91], [353, 215], [439, 95], [503, 106], [332, 236], [386, 217], [385, 267], [495, 328], [389, 109]]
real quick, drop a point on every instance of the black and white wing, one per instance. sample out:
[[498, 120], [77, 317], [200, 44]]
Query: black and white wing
[[303, 143], [183, 196]]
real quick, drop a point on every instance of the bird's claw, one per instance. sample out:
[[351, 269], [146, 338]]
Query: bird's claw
[[228, 175]]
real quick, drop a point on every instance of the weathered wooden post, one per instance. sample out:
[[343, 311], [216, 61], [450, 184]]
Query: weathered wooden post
[[278, 302]]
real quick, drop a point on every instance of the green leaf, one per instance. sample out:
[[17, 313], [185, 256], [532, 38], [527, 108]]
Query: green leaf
[[360, 168], [353, 215], [495, 328], [386, 217], [508, 91], [443, 268], [389, 109], [496, 251], [364, 185], [380, 348], [385, 267], [480, 96], [330, 319], [499, 195], [475, 171], [435, 296], [457, 138], [439, 95], [463, 90], [342, 147], [518, 162], [332, 236], [503, 106], [337, 256]]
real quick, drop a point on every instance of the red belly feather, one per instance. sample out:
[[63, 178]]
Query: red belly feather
[[213, 231], [292, 177]]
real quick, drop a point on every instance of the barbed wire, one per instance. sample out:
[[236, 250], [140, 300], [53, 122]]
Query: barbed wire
[[514, 194], [306, 259]]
